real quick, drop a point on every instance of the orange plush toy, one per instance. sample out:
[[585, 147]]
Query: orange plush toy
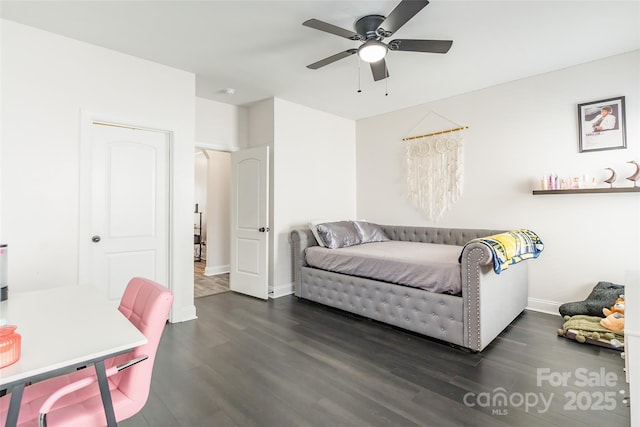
[[614, 319], [614, 322], [617, 307]]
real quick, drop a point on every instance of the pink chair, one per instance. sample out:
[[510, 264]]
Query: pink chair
[[74, 399]]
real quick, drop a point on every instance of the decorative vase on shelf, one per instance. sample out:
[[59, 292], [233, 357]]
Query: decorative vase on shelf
[[636, 175], [612, 178]]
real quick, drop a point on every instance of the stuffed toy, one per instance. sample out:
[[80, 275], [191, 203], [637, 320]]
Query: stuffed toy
[[614, 322], [618, 307]]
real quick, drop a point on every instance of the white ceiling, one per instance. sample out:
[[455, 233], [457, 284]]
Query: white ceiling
[[260, 48]]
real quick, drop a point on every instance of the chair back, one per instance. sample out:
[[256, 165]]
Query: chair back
[[146, 304]]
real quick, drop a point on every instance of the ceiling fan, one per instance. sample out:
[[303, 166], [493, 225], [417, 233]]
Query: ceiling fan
[[371, 30]]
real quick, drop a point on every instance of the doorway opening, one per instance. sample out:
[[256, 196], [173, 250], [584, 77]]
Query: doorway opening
[[212, 225]]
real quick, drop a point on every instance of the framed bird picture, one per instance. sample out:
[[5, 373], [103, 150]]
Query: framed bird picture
[[601, 125]]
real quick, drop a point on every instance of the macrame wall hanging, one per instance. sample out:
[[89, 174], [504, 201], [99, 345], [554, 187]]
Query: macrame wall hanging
[[434, 169]]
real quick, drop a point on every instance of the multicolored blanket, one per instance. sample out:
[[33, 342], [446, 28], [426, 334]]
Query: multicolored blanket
[[511, 247]]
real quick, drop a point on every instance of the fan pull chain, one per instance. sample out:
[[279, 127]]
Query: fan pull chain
[[386, 80], [359, 90]]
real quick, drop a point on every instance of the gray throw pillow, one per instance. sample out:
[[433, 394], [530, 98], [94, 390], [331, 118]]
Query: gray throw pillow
[[338, 234], [370, 232]]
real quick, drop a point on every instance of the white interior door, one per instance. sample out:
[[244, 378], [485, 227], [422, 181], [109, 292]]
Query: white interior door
[[126, 233], [250, 222]]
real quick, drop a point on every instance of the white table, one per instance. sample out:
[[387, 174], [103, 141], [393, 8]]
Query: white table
[[63, 329]]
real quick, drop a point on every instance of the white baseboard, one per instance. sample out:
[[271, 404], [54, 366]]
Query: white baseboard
[[543, 306], [182, 314], [280, 290], [217, 269]]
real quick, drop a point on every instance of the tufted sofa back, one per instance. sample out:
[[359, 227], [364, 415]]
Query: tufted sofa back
[[445, 236]]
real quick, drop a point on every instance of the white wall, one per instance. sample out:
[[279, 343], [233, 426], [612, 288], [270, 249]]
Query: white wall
[[260, 123], [1, 132], [313, 177], [518, 132], [218, 213], [48, 81], [220, 126]]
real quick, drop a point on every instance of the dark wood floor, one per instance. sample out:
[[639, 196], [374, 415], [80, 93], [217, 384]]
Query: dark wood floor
[[287, 362]]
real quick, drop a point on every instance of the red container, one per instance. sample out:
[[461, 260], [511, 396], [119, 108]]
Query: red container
[[9, 345]]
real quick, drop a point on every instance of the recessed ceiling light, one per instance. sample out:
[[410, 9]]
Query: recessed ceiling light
[[228, 91]]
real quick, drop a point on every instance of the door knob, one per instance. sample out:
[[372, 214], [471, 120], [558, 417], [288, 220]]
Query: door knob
[[263, 229], [95, 239]]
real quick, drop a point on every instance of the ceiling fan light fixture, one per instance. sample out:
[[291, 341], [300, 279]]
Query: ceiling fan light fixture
[[372, 51], [371, 31]]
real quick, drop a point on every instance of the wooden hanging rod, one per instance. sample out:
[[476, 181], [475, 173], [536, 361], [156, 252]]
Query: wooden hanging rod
[[409, 138]]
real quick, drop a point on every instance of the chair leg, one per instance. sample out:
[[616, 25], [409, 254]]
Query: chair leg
[[105, 393], [14, 405]]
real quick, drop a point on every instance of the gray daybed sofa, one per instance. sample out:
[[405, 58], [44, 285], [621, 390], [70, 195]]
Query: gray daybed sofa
[[487, 304]]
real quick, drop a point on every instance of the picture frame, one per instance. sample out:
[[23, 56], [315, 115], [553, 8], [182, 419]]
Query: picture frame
[[602, 125]]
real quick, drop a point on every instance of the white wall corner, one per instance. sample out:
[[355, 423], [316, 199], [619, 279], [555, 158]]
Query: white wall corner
[[183, 314], [280, 290], [543, 306]]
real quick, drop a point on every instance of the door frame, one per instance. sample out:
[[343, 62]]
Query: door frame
[[204, 147], [87, 120], [215, 147]]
